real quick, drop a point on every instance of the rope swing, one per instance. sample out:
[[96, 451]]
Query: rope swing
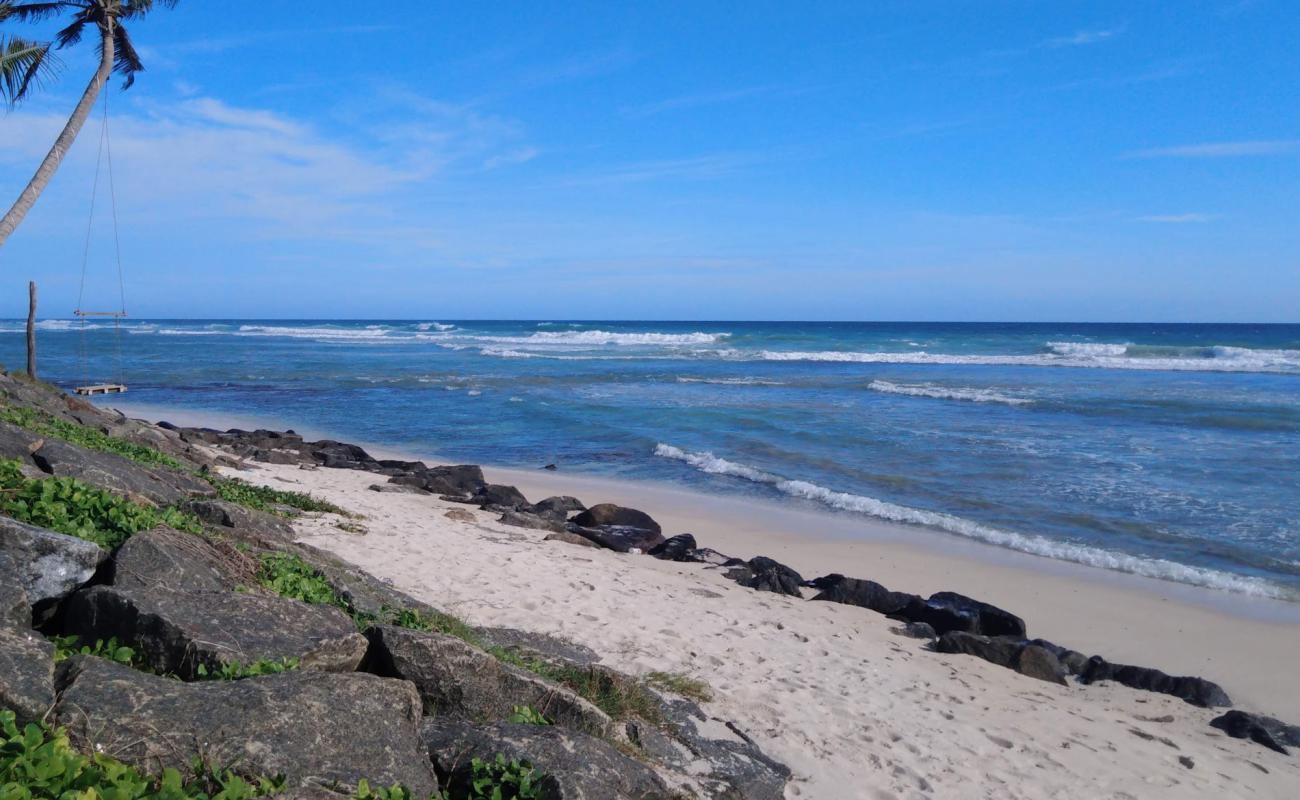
[[103, 160]]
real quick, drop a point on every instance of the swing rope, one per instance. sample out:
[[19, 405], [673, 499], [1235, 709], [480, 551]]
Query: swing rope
[[103, 158]]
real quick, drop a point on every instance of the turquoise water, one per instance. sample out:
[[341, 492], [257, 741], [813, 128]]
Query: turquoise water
[[1165, 450]]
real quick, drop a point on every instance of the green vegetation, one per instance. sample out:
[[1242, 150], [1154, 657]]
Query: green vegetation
[[39, 763], [289, 576], [677, 683], [68, 646], [264, 498], [234, 671], [527, 715], [44, 424], [504, 780], [69, 506]]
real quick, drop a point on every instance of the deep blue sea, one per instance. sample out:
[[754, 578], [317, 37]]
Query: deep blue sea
[[1165, 450]]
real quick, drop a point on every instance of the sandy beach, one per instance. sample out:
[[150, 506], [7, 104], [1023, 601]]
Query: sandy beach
[[854, 709]]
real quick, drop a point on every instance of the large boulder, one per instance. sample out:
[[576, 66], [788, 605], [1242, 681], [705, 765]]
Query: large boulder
[[462, 480], [558, 507], [576, 766], [313, 728], [523, 519], [721, 760], [765, 575], [610, 515], [619, 538], [836, 588], [989, 619], [178, 632], [164, 557], [49, 565], [497, 497], [123, 476], [1003, 650], [677, 548], [340, 455], [457, 679], [240, 523], [26, 674], [1197, 691], [18, 443], [1267, 731]]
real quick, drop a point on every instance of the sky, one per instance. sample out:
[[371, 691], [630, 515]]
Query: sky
[[922, 160]]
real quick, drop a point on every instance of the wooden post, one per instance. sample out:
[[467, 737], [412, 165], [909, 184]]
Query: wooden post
[[31, 329]]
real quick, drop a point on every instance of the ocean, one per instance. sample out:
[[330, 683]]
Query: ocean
[[1171, 451]]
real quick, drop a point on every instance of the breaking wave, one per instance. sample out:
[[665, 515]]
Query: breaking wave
[[945, 393], [1036, 545]]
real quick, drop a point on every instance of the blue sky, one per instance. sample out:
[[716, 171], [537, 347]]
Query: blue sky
[[894, 160]]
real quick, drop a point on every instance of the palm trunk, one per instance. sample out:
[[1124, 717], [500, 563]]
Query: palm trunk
[[52, 159]]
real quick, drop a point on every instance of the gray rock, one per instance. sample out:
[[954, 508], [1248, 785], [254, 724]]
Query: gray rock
[[719, 758], [120, 475], [560, 507], [522, 519], [1039, 662], [15, 610], [49, 564], [313, 728], [457, 679], [497, 496], [164, 557], [618, 538], [1072, 661], [396, 488], [576, 766], [26, 674], [836, 588], [1001, 650], [677, 548], [1197, 691], [571, 538], [178, 632], [916, 630], [766, 575], [18, 443], [608, 514], [243, 524], [461, 480], [1267, 731]]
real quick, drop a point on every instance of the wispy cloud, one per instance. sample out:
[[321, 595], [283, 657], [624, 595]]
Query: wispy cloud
[[1179, 219], [1082, 38], [706, 167], [1257, 147], [703, 99]]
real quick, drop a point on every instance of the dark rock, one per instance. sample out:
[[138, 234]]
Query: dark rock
[[767, 575], [1001, 650], [463, 480], [1073, 661], [1197, 691], [569, 538], [550, 467], [560, 506], [1039, 662], [619, 538], [942, 618], [243, 524], [15, 610], [916, 630], [1267, 731], [836, 588], [707, 555], [396, 488], [990, 620], [120, 475], [18, 443], [576, 766], [457, 679], [679, 548], [311, 727], [179, 632], [49, 565], [721, 760], [339, 455], [164, 557], [610, 515], [496, 496], [26, 674], [522, 519]]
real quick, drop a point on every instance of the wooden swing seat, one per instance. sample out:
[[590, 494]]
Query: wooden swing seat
[[101, 388]]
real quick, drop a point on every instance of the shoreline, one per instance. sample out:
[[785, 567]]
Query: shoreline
[[1240, 641]]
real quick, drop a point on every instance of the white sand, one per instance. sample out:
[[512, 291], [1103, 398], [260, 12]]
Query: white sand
[[853, 709]]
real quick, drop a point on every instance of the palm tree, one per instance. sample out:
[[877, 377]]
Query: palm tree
[[116, 54], [23, 63]]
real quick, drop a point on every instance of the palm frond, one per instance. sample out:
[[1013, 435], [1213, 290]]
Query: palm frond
[[33, 12], [134, 9], [126, 61], [23, 64]]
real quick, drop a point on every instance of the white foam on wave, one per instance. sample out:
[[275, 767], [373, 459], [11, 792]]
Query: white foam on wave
[[1221, 359], [730, 381], [1162, 569], [946, 393], [317, 333], [614, 338], [435, 326]]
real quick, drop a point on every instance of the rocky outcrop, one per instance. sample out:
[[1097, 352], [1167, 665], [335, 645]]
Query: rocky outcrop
[[180, 632], [576, 766], [572, 538], [558, 507], [610, 515], [47, 565], [164, 487], [765, 575], [1267, 731], [496, 497], [313, 728], [1197, 691], [26, 674], [836, 588], [171, 559], [457, 679], [461, 481], [240, 523], [1011, 652], [677, 548], [15, 610], [522, 519], [989, 619], [618, 538]]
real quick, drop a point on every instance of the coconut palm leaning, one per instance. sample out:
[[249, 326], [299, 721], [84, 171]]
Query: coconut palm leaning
[[30, 61]]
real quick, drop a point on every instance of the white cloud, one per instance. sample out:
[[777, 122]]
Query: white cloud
[[1082, 38], [1261, 147]]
